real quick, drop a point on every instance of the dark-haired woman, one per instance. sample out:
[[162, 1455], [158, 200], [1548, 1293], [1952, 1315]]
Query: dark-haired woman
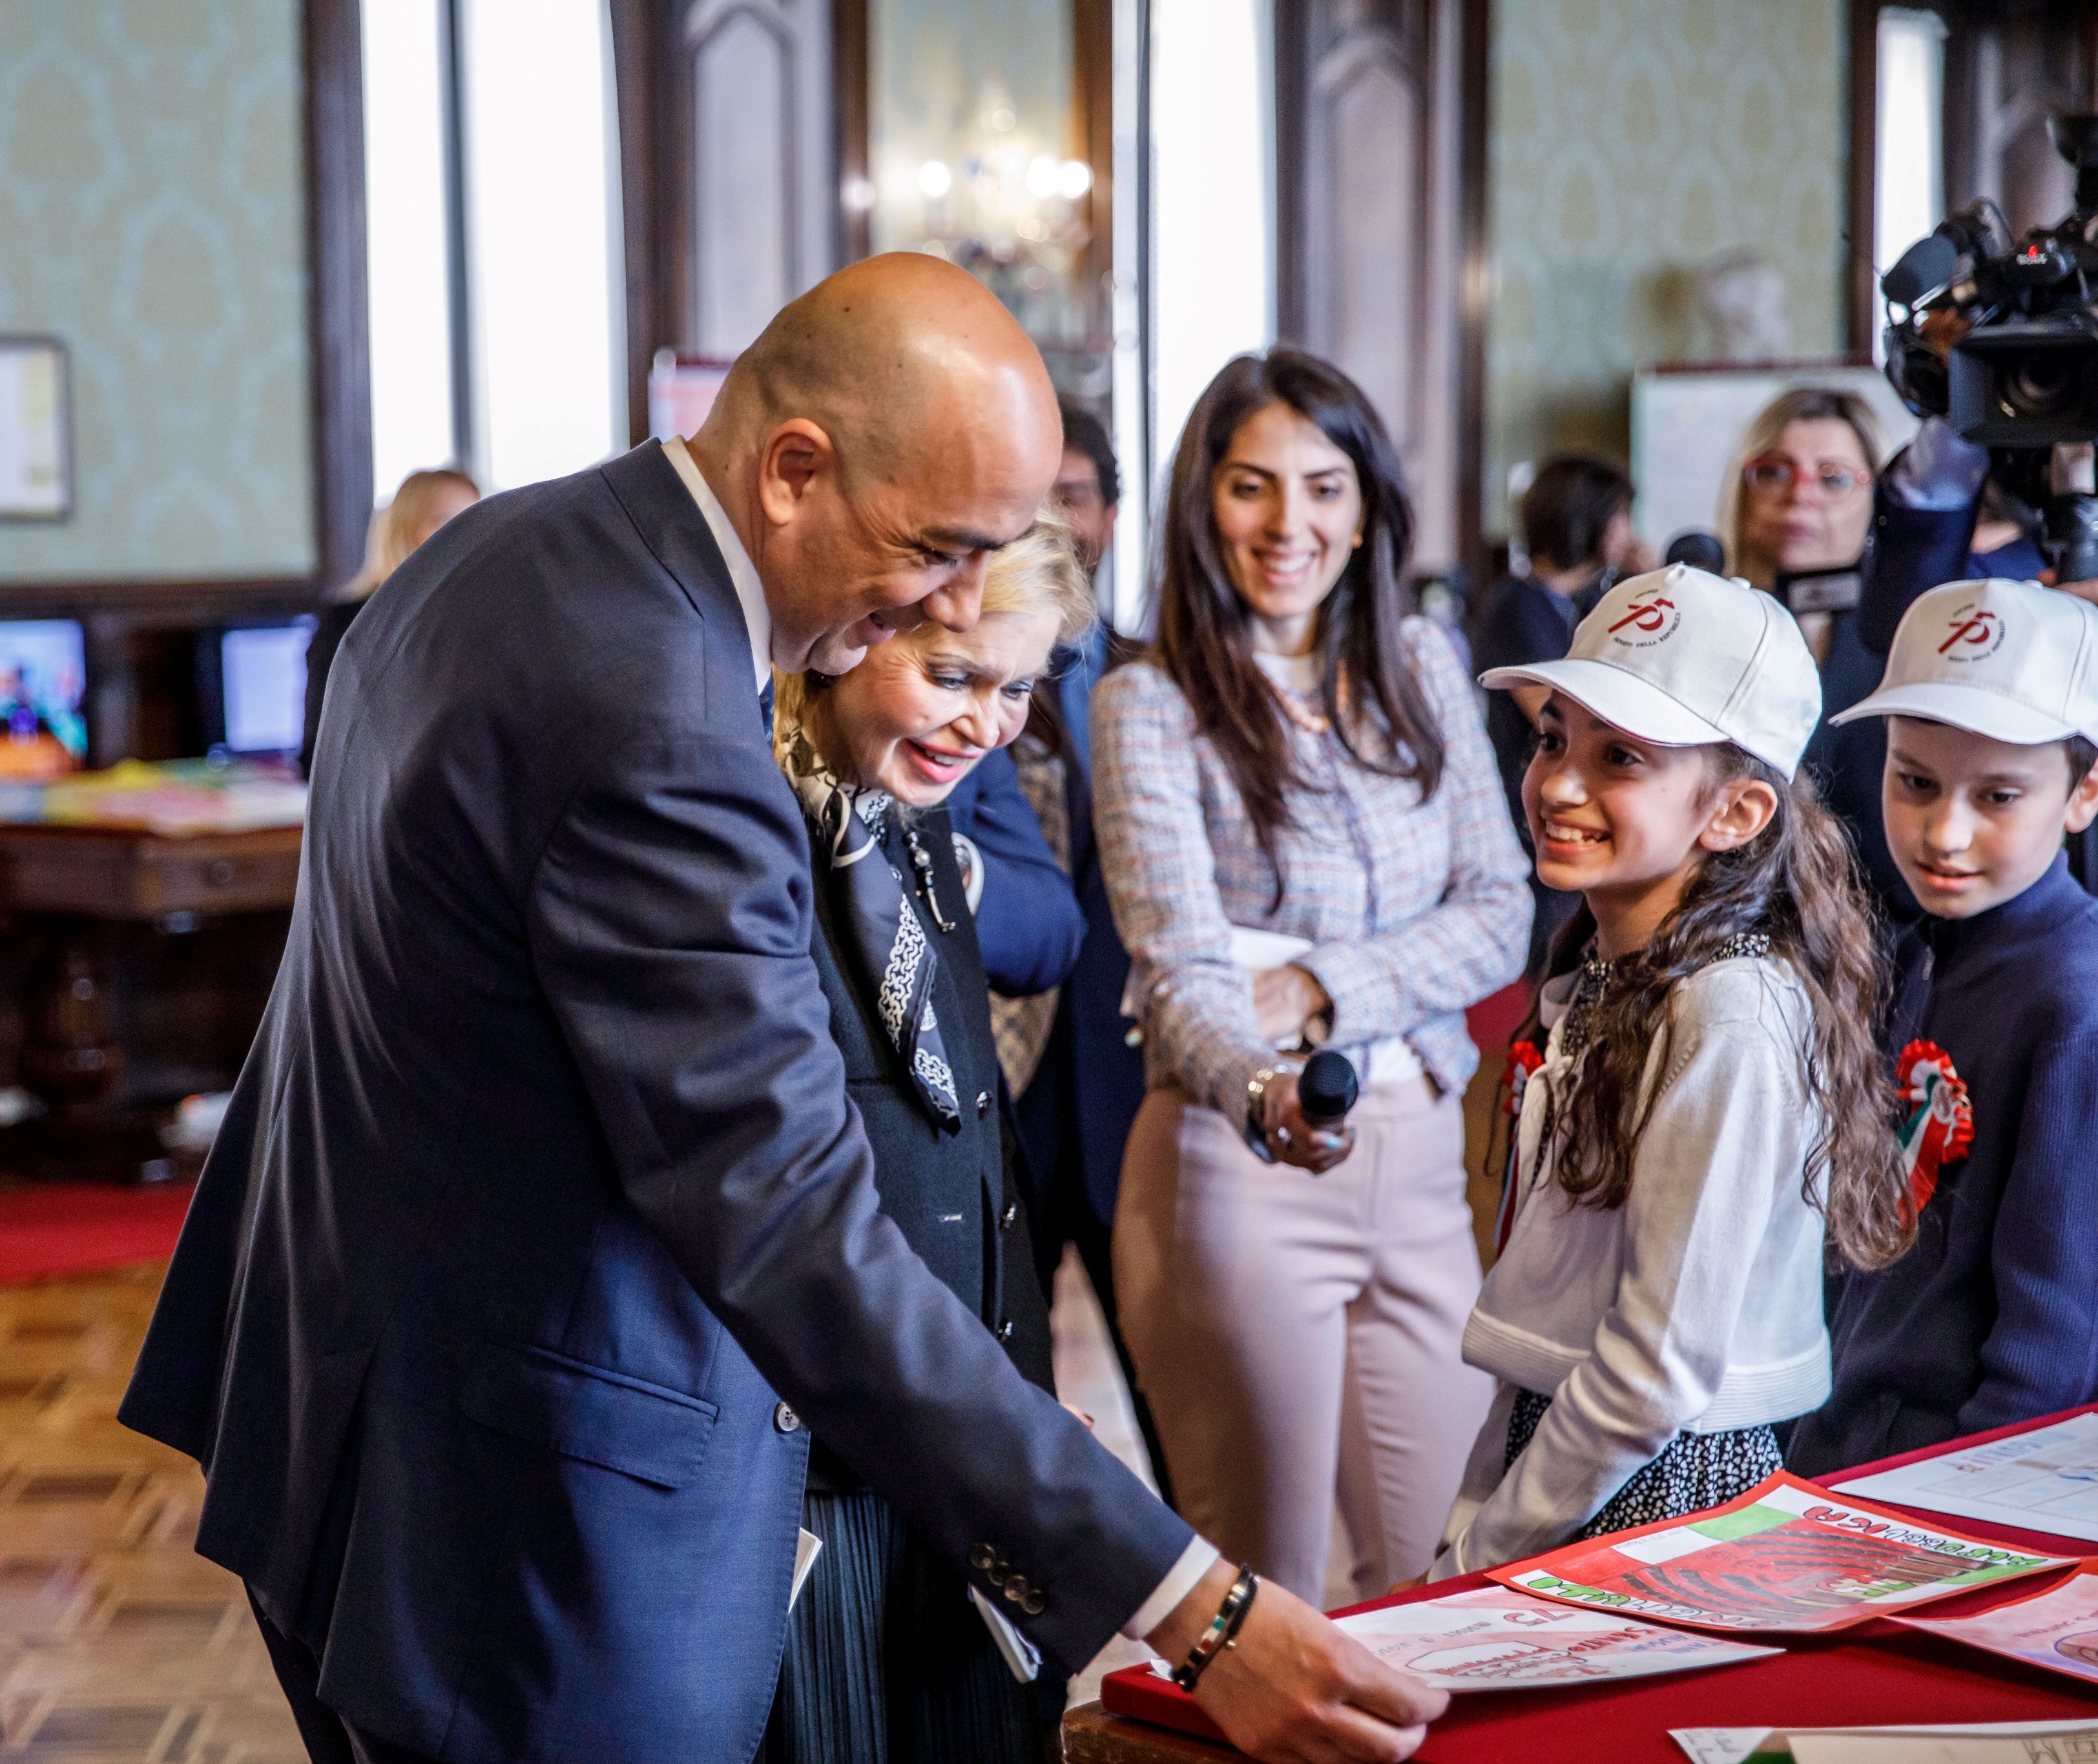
[[1305, 842]]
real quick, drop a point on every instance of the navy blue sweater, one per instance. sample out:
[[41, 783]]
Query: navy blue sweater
[[1993, 1317]]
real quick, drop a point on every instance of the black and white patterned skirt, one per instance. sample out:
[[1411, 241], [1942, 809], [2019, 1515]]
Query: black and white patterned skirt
[[1695, 1471]]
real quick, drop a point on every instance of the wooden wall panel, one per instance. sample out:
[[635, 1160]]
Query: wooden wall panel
[[1370, 163]]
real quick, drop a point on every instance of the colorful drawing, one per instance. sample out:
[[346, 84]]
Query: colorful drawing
[[2058, 1629], [1492, 1639], [1785, 1556]]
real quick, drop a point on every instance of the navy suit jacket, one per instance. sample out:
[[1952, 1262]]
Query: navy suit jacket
[[1029, 926], [540, 1188]]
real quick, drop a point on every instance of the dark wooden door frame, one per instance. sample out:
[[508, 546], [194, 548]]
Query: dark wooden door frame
[[644, 67], [850, 71], [1475, 286], [1860, 206], [340, 318]]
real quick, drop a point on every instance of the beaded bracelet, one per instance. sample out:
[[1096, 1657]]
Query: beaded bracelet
[[1222, 1628]]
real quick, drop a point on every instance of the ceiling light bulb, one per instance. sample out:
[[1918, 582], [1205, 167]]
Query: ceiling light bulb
[[1042, 172], [1074, 179], [934, 178]]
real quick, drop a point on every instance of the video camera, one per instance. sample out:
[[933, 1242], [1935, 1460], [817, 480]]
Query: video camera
[[2021, 380]]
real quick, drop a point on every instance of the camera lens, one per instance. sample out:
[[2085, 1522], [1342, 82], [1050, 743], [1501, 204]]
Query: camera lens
[[2040, 385]]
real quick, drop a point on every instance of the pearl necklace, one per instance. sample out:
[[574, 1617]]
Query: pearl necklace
[[1312, 722]]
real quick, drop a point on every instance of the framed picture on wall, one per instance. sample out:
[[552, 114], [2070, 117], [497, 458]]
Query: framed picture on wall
[[36, 430]]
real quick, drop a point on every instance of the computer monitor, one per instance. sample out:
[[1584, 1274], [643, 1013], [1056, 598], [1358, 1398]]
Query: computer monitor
[[252, 686], [43, 690]]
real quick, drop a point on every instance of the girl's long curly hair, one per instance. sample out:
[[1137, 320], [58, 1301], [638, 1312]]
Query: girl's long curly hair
[[1795, 882]]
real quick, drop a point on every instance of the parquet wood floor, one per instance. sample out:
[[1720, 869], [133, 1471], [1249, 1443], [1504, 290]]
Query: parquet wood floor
[[118, 1644]]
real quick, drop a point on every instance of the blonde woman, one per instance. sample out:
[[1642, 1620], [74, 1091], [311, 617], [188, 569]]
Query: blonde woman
[[886, 1658], [425, 500], [1797, 503]]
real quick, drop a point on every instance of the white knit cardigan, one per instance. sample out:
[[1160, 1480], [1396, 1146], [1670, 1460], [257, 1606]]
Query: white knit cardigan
[[1697, 1305]]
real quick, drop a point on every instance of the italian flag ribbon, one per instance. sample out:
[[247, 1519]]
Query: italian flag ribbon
[[1523, 1060], [1939, 1127]]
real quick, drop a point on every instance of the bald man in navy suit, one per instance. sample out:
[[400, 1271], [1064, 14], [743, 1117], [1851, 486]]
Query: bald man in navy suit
[[541, 1233]]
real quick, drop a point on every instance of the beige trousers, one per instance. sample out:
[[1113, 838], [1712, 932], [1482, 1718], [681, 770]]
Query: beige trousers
[[1298, 1335]]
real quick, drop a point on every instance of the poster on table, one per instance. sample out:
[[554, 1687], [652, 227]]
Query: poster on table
[[2058, 1629], [1787, 1557], [1492, 1639], [2045, 1478], [2001, 1742]]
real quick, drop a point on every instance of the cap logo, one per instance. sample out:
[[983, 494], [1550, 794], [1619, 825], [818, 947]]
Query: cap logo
[[1972, 633], [1655, 617]]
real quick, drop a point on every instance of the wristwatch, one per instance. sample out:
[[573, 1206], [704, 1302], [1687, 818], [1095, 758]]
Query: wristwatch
[[1256, 1120]]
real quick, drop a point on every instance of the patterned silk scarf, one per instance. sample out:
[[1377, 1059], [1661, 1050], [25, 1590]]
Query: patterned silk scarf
[[887, 938]]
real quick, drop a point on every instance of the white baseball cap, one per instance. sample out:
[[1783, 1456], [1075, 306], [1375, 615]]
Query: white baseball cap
[[2009, 660], [1684, 658]]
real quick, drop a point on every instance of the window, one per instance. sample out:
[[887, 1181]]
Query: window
[[493, 247], [1213, 206], [1909, 166]]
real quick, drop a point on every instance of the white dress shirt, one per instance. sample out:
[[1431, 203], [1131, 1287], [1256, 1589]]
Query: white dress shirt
[[749, 590], [1197, 1559]]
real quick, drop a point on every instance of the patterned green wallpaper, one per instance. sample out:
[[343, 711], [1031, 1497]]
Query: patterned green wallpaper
[[1633, 141], [152, 214]]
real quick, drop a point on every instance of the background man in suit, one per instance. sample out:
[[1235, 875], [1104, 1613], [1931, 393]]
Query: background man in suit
[[540, 1189], [1073, 1132]]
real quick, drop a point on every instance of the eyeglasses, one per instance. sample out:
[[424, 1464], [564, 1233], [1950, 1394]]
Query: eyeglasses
[[1773, 474]]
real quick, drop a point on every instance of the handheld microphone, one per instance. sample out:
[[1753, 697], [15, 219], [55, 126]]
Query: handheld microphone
[[1700, 550], [1327, 1089]]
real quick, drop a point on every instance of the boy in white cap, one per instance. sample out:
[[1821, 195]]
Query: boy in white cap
[[1656, 1306], [1991, 698]]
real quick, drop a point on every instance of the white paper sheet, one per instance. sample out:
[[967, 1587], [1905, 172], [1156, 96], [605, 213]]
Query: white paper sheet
[[2043, 1481], [2017, 1742], [1494, 1638], [807, 1547], [2074, 1746]]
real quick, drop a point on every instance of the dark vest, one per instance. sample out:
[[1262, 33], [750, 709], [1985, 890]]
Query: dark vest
[[956, 1197]]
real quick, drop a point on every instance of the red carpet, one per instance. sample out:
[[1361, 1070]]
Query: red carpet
[[54, 1228], [57, 1228]]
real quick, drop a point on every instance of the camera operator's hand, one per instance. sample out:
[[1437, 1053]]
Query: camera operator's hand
[[1291, 1138], [1943, 326], [1291, 1688]]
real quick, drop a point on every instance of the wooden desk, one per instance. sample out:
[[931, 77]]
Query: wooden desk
[[98, 872], [1875, 1674], [74, 884]]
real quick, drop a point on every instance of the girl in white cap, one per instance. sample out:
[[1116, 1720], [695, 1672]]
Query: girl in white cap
[[1708, 1092]]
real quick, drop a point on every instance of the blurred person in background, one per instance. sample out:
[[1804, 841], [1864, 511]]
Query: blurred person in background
[[1302, 756], [425, 500], [885, 1657], [1810, 513], [1577, 530], [1796, 505], [1073, 1132]]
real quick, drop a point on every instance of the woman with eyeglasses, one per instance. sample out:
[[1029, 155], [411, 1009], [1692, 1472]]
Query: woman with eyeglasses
[[1807, 485], [1797, 505]]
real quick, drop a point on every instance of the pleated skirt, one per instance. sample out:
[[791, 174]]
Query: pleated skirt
[[887, 1661]]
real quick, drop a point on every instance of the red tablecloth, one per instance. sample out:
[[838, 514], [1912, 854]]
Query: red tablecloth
[[1875, 1674]]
